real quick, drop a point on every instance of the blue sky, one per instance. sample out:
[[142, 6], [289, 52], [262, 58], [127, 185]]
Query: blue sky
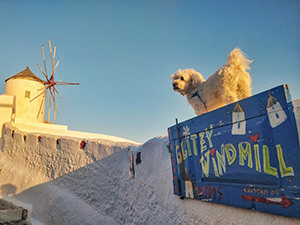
[[123, 53]]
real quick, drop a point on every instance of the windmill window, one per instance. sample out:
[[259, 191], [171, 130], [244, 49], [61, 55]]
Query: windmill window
[[27, 94]]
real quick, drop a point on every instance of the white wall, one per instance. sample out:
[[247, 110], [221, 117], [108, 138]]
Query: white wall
[[24, 155], [6, 110]]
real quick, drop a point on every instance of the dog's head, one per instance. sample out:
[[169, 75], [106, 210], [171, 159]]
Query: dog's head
[[186, 81]]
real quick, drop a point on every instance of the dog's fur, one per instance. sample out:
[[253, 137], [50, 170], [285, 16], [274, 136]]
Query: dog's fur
[[230, 83]]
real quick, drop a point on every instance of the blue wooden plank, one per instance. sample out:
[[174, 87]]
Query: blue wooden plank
[[245, 154]]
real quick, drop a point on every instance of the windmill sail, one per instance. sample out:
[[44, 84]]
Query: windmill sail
[[50, 83]]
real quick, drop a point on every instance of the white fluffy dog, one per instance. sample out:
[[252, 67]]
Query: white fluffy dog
[[230, 83]]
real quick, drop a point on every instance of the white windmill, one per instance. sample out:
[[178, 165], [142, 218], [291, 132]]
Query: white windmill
[[50, 84], [276, 114], [238, 121]]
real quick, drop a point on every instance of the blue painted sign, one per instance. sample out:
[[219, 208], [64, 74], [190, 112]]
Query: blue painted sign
[[245, 154]]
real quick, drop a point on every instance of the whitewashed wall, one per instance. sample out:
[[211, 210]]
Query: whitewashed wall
[[36, 158], [25, 108], [6, 110]]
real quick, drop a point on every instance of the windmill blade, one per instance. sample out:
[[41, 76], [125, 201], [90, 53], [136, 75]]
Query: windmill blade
[[57, 92], [54, 103], [44, 61], [50, 83], [54, 53], [54, 107], [52, 62], [37, 96], [41, 89], [44, 98], [56, 65], [49, 109], [40, 109], [50, 45], [66, 83], [54, 58], [43, 72]]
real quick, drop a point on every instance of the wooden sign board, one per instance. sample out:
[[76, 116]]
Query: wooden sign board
[[245, 154]]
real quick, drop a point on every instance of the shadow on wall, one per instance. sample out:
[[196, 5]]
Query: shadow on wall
[[84, 196], [8, 190]]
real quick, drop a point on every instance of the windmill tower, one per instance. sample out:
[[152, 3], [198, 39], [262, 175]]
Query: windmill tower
[[275, 111], [30, 93], [238, 121], [24, 86], [49, 85]]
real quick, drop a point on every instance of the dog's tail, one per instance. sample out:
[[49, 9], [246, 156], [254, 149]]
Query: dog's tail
[[238, 59], [237, 76]]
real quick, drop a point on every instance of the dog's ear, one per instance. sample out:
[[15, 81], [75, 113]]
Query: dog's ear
[[172, 76], [196, 78]]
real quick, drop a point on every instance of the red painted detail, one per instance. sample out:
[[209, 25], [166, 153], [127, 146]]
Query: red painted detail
[[39, 138], [220, 193], [204, 191], [285, 202], [254, 137], [175, 189], [82, 144], [214, 192], [208, 192], [212, 152], [197, 188], [171, 146]]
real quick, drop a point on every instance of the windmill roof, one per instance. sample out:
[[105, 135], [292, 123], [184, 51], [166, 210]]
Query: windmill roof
[[272, 101], [26, 74], [238, 108]]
